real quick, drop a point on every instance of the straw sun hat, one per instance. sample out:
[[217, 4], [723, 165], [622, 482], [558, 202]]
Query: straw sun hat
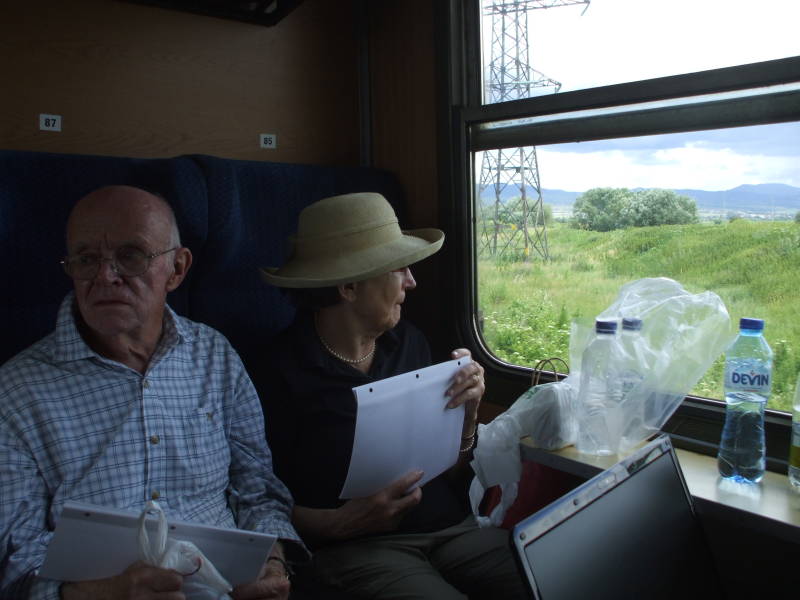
[[350, 238]]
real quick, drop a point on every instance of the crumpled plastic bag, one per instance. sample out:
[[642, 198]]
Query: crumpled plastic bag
[[543, 412], [682, 335], [201, 580]]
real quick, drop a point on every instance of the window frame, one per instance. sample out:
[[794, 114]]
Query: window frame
[[697, 423]]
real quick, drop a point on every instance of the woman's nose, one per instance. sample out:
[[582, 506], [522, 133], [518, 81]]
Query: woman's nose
[[409, 282]]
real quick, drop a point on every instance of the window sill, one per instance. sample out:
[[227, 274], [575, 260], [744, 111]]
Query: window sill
[[770, 506]]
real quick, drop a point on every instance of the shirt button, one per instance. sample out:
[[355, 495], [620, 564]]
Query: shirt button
[[155, 495], [145, 384], [154, 439]]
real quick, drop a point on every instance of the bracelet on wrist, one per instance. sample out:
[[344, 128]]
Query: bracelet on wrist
[[467, 443], [471, 435]]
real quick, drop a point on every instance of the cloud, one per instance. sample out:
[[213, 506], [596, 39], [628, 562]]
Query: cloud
[[613, 41], [777, 139], [694, 166], [705, 160]]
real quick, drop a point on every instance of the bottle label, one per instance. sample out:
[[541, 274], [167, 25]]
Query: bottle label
[[749, 379]]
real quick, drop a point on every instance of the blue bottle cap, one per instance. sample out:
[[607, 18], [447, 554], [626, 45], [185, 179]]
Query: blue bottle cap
[[751, 324], [631, 324], [605, 326]]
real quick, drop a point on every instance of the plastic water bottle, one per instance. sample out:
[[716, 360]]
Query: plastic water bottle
[[599, 392], [631, 370], [794, 453], [748, 381], [633, 364]]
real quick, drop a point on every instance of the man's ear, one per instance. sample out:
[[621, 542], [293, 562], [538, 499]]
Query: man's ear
[[348, 291], [183, 260]]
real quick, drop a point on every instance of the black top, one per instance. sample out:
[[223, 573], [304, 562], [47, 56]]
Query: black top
[[310, 414]]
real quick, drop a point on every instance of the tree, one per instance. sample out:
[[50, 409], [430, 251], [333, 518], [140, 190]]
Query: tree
[[513, 213], [659, 207], [548, 214], [797, 217], [605, 209], [600, 209]]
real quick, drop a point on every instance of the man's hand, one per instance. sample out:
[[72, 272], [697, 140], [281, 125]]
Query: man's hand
[[380, 512], [272, 583], [137, 582]]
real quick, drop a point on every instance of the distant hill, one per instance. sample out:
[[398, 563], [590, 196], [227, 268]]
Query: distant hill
[[760, 198]]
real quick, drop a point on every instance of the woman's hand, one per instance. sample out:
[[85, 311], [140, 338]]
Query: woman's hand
[[380, 512], [467, 388]]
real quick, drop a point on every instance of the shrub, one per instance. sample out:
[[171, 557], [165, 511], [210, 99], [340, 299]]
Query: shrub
[[606, 209]]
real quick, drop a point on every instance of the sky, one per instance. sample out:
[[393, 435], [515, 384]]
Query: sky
[[614, 41]]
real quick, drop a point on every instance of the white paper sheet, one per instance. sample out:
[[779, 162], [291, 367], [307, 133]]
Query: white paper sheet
[[402, 425], [94, 542]]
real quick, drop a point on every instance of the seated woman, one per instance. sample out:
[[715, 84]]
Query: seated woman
[[349, 275]]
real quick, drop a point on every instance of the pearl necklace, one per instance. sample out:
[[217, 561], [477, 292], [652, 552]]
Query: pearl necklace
[[351, 361]]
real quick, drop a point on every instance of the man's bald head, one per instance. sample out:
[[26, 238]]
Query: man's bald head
[[125, 198]]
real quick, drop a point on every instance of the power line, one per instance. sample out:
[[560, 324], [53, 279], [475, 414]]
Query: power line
[[512, 221]]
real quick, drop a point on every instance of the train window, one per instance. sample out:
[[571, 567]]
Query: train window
[[715, 210], [560, 45], [612, 141]]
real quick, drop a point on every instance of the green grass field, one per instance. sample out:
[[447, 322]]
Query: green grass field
[[527, 307]]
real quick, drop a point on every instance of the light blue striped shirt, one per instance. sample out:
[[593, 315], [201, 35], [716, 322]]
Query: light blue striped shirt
[[77, 426]]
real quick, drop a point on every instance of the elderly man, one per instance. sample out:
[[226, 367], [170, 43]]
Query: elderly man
[[126, 402]]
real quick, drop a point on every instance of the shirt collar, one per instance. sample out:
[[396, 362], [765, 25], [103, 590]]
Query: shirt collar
[[70, 345]]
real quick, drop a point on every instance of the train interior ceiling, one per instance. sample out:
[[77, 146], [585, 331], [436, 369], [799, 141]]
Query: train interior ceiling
[[343, 83]]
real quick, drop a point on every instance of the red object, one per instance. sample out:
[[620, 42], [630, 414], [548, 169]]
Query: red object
[[538, 486]]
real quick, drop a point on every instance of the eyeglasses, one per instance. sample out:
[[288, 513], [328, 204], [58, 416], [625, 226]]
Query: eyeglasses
[[127, 261]]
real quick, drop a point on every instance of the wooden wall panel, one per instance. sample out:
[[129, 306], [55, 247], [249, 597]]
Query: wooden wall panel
[[133, 80], [402, 55]]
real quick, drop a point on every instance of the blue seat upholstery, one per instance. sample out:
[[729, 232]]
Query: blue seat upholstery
[[255, 206], [234, 216], [37, 191]]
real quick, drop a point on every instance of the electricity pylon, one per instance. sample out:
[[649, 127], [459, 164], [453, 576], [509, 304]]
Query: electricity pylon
[[513, 223]]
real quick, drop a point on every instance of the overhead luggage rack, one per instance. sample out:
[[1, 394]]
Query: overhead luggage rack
[[259, 12]]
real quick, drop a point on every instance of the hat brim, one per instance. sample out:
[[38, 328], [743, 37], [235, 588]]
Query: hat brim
[[412, 247]]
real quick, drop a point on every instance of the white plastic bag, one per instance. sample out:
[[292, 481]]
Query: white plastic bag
[[683, 334], [201, 579], [545, 413]]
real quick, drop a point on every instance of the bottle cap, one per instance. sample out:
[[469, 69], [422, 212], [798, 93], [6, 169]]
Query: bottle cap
[[631, 324], [751, 324], [605, 326]]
